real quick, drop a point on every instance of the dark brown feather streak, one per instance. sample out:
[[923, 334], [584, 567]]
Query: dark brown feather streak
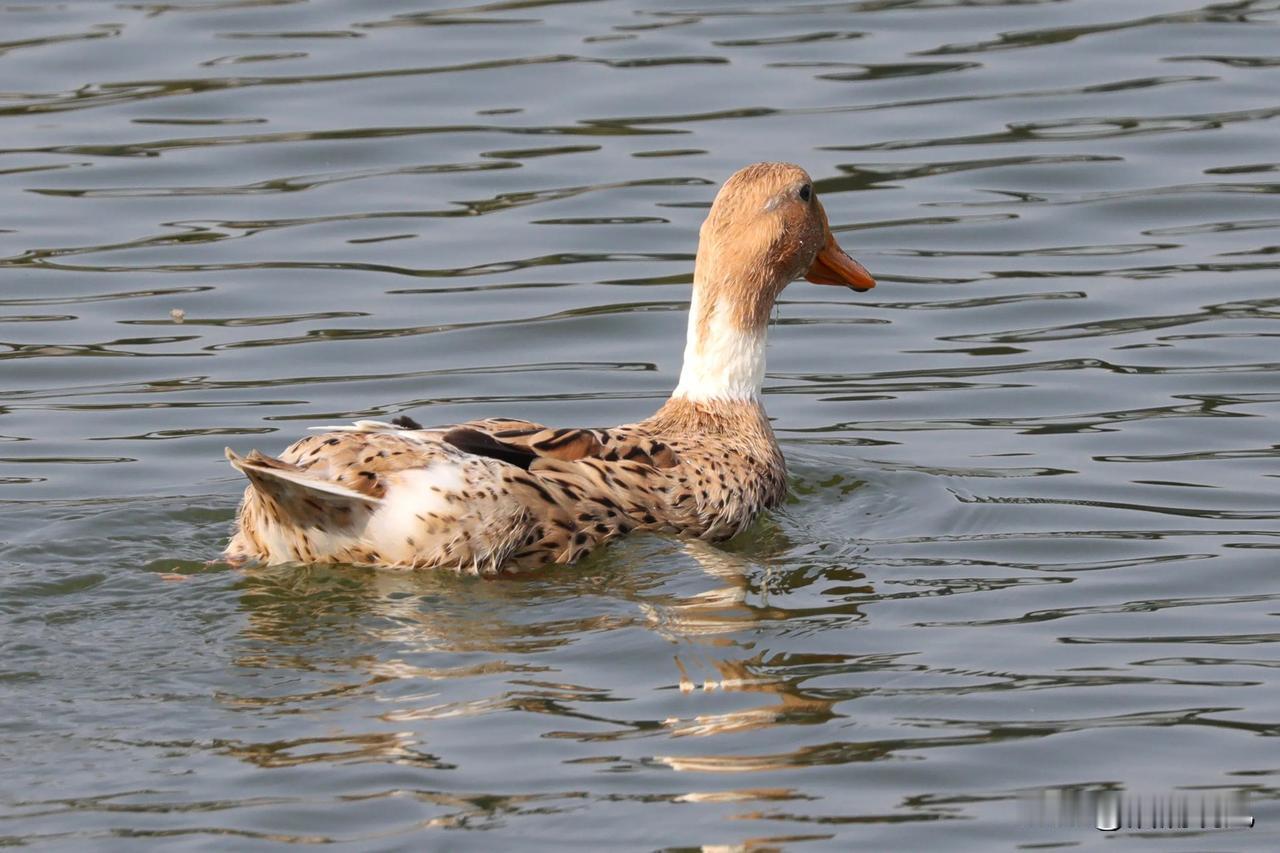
[[483, 444]]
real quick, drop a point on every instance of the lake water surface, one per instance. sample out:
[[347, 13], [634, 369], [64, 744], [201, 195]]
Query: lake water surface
[[1032, 544]]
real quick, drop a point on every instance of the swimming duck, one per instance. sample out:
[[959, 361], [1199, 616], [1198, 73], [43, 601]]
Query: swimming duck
[[501, 495]]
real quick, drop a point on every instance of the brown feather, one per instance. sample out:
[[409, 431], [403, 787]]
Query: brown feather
[[482, 444], [504, 495]]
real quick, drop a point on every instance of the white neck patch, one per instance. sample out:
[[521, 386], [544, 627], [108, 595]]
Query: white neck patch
[[726, 365]]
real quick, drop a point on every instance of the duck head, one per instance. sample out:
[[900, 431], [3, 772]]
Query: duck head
[[766, 229]]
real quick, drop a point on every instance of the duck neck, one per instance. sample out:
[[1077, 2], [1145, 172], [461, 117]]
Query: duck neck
[[723, 356]]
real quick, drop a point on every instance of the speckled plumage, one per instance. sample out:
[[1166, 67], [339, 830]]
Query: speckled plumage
[[502, 495]]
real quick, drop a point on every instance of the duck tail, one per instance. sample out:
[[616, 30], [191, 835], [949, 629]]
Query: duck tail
[[291, 515], [286, 483]]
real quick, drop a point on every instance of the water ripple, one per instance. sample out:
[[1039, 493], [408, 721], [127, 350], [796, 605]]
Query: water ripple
[[1056, 410]]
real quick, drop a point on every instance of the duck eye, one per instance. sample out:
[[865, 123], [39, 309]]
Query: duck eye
[[806, 192]]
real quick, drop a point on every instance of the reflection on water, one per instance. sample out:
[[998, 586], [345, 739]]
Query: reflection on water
[[301, 613], [1034, 510]]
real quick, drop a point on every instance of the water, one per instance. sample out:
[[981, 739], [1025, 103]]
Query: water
[[1033, 536]]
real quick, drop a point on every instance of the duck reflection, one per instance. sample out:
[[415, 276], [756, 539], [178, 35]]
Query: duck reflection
[[365, 650], [371, 746], [328, 647], [716, 618], [413, 612]]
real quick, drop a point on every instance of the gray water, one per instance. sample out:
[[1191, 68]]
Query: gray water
[[1032, 543]]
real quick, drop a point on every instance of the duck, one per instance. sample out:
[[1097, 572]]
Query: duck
[[499, 495]]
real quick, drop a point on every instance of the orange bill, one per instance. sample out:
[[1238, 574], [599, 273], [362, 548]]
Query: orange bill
[[833, 266]]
